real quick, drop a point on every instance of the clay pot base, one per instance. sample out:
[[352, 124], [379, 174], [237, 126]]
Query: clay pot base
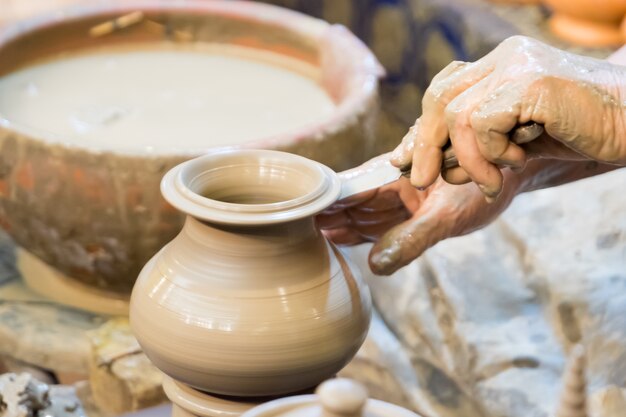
[[190, 402], [585, 32], [56, 286]]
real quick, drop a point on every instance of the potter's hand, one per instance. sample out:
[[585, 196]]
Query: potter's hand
[[404, 221], [579, 100]]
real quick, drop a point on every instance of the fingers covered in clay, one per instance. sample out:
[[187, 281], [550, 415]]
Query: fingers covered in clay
[[579, 101], [364, 217], [404, 221], [405, 242], [439, 212]]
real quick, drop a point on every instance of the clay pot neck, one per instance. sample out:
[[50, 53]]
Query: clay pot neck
[[296, 248], [272, 239], [244, 188]]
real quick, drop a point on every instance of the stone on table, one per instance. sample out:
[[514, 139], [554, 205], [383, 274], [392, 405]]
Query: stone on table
[[23, 396], [122, 378], [39, 334], [37, 331]]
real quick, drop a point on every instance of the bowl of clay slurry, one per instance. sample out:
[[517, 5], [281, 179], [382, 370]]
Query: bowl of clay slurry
[[250, 299], [99, 101]]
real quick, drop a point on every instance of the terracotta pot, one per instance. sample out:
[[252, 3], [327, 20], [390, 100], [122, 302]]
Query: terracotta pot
[[592, 23], [250, 299], [94, 218]]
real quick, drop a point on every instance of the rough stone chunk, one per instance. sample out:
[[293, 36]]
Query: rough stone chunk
[[23, 396], [122, 378]]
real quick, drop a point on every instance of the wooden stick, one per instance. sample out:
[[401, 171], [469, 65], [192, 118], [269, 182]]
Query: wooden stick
[[121, 22], [161, 29]]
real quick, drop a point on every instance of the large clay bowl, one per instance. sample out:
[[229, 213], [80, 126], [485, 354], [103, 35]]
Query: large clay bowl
[[97, 217]]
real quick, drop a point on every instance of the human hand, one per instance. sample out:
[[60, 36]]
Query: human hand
[[405, 221], [579, 100]]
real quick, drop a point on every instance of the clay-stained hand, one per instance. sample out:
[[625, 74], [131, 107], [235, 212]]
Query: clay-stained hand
[[405, 221], [579, 100]]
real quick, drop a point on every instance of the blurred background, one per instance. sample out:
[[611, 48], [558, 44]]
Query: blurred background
[[409, 359]]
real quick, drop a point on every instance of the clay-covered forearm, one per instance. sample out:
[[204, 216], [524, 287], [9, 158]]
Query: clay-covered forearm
[[546, 173]]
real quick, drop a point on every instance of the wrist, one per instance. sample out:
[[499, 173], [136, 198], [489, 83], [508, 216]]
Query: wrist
[[534, 175], [545, 173]]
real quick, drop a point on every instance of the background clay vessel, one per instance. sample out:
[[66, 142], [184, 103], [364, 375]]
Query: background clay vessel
[[592, 23], [250, 299], [97, 217]]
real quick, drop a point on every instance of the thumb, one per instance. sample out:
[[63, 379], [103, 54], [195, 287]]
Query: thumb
[[408, 240]]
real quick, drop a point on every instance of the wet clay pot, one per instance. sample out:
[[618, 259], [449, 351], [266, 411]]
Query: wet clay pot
[[592, 23], [250, 299], [89, 219]]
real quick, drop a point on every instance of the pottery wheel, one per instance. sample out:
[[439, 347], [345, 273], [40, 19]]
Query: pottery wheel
[[53, 285]]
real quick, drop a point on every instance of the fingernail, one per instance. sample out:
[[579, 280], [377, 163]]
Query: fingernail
[[397, 156], [490, 196], [512, 165], [385, 261], [417, 179]]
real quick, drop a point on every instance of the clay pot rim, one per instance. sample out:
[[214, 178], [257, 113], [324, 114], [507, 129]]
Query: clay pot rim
[[180, 187], [361, 78]]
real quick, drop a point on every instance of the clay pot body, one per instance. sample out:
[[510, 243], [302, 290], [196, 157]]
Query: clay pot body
[[590, 23], [97, 217], [250, 299]]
